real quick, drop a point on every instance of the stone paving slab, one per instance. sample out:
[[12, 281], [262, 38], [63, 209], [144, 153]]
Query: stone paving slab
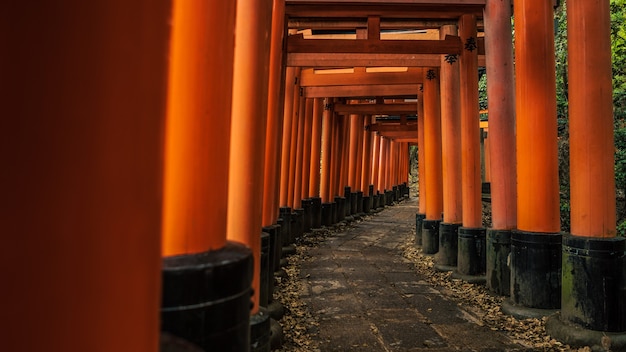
[[367, 297]]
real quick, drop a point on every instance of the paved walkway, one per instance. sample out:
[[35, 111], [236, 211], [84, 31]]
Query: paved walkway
[[368, 297]]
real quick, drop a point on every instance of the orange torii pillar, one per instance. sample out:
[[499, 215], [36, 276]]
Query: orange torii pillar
[[593, 276], [314, 164], [451, 158], [326, 163], [271, 181], [375, 168], [536, 244], [471, 238], [501, 153], [334, 169], [295, 164], [433, 168], [382, 169], [359, 166], [421, 167], [305, 152], [366, 173], [247, 148], [284, 200], [392, 171], [351, 188], [82, 161], [197, 257], [342, 167]]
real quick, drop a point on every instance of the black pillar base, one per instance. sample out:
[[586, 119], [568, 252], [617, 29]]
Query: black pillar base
[[265, 270], [498, 271], [419, 218], [389, 198], [275, 246], [472, 258], [297, 228], [359, 202], [327, 214], [375, 201], [536, 269], [203, 303], [284, 220], [352, 204], [341, 208], [276, 335], [367, 201], [594, 283], [333, 213], [448, 246], [260, 331], [316, 212], [347, 194], [396, 193], [521, 312], [307, 204], [169, 343], [576, 336], [430, 236]]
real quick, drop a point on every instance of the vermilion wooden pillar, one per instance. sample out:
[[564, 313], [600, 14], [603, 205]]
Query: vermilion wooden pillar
[[314, 164], [325, 165], [451, 136], [376, 160], [307, 148], [451, 158], [537, 241], [82, 139], [195, 190], [359, 158], [316, 140], [294, 168], [299, 142], [248, 127], [366, 173], [382, 164], [273, 136], [421, 163], [290, 86], [593, 258], [353, 145], [433, 169], [471, 260], [501, 151]]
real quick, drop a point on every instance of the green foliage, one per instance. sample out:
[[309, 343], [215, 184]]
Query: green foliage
[[482, 95]]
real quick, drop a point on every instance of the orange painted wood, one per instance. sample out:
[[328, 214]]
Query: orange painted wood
[[248, 127], [293, 146], [366, 173], [535, 101], [82, 158], [334, 155], [343, 160], [451, 137], [290, 86], [366, 60], [358, 91], [421, 155], [592, 182], [312, 79], [501, 156], [376, 109], [470, 129], [325, 177], [375, 160], [355, 130], [299, 148], [273, 136], [432, 146], [307, 148], [316, 139], [198, 122], [449, 45], [382, 163], [394, 127], [359, 158]]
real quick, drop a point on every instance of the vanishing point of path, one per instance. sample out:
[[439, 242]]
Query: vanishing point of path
[[368, 297]]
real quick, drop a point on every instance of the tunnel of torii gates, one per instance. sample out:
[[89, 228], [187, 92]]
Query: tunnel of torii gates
[[156, 164]]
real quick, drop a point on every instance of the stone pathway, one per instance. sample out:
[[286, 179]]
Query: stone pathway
[[368, 297]]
